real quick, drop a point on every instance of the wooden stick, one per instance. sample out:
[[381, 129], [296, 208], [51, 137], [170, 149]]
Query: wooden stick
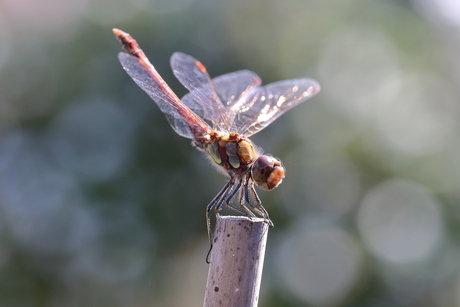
[[236, 264]]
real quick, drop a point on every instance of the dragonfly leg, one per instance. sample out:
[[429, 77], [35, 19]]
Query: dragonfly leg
[[216, 203], [244, 210], [247, 199], [249, 187], [242, 202]]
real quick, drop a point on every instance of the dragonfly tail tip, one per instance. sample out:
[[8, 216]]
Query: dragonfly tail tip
[[118, 32]]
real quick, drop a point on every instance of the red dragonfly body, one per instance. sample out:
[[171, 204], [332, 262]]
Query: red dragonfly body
[[219, 115]]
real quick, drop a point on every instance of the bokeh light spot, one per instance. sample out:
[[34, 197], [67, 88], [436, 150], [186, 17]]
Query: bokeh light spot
[[93, 139], [320, 266], [400, 221]]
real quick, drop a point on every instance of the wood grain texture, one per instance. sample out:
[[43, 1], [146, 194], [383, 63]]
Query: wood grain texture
[[236, 264]]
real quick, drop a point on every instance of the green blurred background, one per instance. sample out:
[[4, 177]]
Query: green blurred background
[[102, 204]]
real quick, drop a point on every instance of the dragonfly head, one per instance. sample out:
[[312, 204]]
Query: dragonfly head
[[267, 172]]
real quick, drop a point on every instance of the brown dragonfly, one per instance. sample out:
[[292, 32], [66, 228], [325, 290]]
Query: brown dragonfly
[[219, 115]]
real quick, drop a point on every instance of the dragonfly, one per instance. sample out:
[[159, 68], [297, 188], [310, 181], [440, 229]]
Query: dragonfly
[[220, 115]]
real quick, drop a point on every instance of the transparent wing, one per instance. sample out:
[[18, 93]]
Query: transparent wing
[[261, 106], [183, 120], [229, 88], [232, 86], [193, 75]]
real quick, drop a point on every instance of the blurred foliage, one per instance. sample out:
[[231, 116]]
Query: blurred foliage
[[102, 204]]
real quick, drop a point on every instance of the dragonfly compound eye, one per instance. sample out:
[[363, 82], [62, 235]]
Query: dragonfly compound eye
[[268, 172]]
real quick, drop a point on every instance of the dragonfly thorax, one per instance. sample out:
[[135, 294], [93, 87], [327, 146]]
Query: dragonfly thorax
[[234, 153]]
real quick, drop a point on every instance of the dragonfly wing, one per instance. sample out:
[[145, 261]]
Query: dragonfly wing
[[232, 86], [193, 75], [229, 88], [190, 101], [262, 106], [184, 121]]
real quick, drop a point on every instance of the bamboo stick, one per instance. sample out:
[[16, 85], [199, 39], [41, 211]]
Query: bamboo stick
[[236, 264]]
